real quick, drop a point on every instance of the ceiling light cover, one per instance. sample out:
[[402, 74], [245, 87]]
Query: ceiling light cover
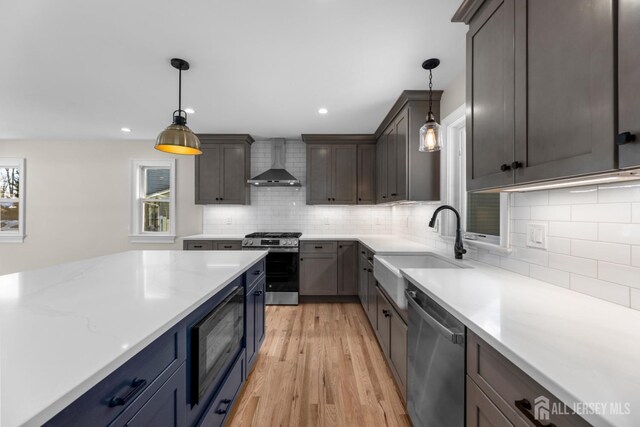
[[430, 135], [177, 138], [323, 111]]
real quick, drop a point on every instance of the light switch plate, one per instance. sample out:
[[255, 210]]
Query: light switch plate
[[537, 236]]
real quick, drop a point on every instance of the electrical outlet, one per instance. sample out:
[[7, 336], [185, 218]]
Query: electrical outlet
[[537, 236], [326, 220], [228, 220]]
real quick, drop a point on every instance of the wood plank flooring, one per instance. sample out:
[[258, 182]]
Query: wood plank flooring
[[320, 365]]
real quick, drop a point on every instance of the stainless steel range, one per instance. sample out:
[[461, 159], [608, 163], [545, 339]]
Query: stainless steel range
[[282, 264]]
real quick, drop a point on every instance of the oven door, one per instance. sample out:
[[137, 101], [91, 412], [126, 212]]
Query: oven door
[[282, 271], [215, 342]]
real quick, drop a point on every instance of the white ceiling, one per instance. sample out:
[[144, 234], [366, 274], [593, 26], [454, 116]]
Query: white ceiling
[[78, 69]]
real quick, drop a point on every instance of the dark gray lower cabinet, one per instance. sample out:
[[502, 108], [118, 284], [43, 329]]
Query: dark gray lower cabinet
[[347, 268], [212, 245], [318, 274], [481, 412], [391, 331]]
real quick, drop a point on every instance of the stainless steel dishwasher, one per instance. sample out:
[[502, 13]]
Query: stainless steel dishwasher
[[436, 372]]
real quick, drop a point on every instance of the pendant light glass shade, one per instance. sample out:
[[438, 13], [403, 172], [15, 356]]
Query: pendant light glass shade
[[177, 138], [430, 136]]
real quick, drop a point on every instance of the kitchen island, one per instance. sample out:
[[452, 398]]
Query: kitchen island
[[66, 328]]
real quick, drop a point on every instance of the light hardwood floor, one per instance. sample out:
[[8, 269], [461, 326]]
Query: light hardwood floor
[[320, 365]]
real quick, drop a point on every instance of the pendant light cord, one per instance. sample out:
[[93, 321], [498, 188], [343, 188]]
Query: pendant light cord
[[180, 89], [430, 90]]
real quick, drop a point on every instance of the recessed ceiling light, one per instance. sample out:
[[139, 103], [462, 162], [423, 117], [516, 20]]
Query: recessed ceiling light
[[323, 111], [127, 130], [189, 110]]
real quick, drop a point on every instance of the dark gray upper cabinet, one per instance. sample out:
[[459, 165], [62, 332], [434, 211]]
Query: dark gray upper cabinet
[[629, 81], [490, 96], [540, 90], [222, 170], [366, 174], [564, 88], [334, 169], [403, 172]]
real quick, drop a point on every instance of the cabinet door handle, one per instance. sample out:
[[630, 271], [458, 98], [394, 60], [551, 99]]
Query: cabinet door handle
[[364, 269], [624, 138], [301, 259], [359, 199], [217, 198], [362, 252], [227, 403], [516, 165], [257, 293], [386, 313], [137, 384], [384, 197], [319, 247], [505, 167], [256, 272], [524, 406], [197, 246], [329, 199], [369, 270], [228, 247], [221, 198], [394, 194]]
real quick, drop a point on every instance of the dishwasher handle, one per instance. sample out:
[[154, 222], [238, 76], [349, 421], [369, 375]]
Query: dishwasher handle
[[454, 337]]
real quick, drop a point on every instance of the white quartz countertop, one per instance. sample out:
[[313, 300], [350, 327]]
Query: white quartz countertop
[[582, 349], [215, 237], [380, 244], [65, 328]]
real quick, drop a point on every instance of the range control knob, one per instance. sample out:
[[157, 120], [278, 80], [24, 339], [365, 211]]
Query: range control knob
[[245, 242]]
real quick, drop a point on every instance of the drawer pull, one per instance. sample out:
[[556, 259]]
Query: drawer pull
[[197, 246], [257, 293], [227, 403], [136, 386], [319, 247], [394, 194], [524, 406], [362, 252], [370, 259], [364, 269], [256, 272], [369, 270], [228, 246]]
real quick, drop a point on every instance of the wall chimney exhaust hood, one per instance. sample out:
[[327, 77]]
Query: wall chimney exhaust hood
[[277, 176]]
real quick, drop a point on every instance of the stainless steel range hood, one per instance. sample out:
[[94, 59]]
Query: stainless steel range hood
[[277, 176]]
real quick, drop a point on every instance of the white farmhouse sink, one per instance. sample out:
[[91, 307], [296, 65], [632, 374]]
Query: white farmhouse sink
[[386, 269]]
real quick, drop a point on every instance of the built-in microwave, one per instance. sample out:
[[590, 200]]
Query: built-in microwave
[[216, 340]]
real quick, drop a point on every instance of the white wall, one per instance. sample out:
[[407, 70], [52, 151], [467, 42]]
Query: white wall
[[78, 200], [453, 96], [285, 209]]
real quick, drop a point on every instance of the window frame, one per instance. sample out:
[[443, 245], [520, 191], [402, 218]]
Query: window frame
[[137, 233], [16, 236], [454, 173]]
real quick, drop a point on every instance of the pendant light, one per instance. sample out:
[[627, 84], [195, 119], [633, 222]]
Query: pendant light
[[177, 138], [430, 131]]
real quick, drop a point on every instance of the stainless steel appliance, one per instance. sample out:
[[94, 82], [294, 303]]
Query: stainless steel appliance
[[216, 340], [283, 282], [436, 372]]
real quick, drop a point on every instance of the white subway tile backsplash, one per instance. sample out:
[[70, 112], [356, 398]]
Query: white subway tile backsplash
[[612, 252], [587, 267], [635, 299], [619, 192], [559, 245], [532, 256], [551, 275], [551, 213], [534, 198], [573, 196], [635, 256], [488, 258], [604, 290], [618, 273], [635, 213], [521, 212], [619, 233], [514, 265], [574, 230], [603, 212]]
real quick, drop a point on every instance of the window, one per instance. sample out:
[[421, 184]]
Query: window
[[11, 200], [153, 201], [484, 215]]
